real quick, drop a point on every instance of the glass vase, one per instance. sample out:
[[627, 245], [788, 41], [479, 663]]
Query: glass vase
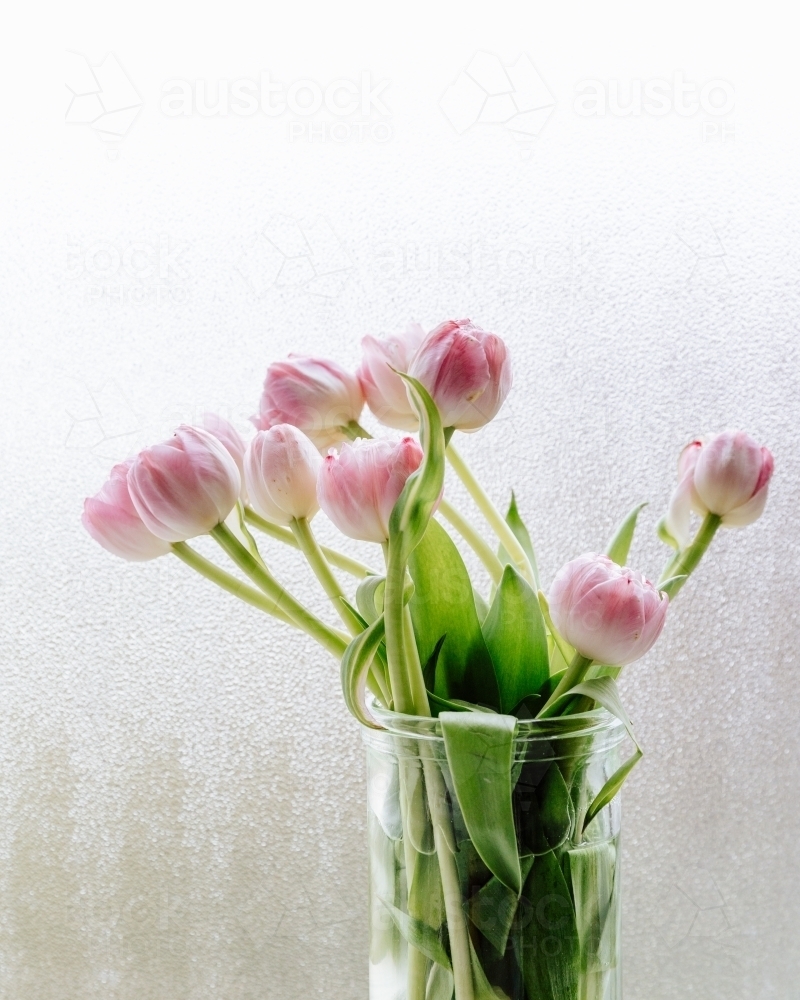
[[441, 926]]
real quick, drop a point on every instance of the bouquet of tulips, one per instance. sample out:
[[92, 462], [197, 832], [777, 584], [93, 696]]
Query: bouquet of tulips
[[493, 836]]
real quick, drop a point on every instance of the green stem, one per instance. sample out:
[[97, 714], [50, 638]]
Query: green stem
[[573, 675], [354, 430], [394, 618], [419, 694], [334, 557], [480, 547], [451, 886], [691, 555], [505, 535], [309, 546], [227, 582], [333, 641]]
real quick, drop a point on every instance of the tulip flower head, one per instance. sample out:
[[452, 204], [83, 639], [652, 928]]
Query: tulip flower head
[[314, 394], [112, 520], [727, 475], [358, 488], [224, 431], [185, 486], [383, 388], [609, 613], [281, 469], [466, 370]]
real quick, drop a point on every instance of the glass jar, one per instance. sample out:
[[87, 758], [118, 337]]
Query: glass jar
[[441, 926]]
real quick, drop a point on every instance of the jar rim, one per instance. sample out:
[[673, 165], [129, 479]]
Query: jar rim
[[582, 724]]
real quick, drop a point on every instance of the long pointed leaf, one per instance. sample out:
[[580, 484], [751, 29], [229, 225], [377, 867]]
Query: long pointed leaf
[[520, 532], [516, 638], [492, 909], [440, 983], [620, 545], [549, 973], [611, 787], [356, 662], [442, 604], [479, 750], [412, 512], [419, 935]]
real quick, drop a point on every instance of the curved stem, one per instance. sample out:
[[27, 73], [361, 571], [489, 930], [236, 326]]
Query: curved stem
[[691, 555], [573, 675], [228, 582], [309, 546], [333, 556], [471, 536], [333, 641], [506, 536]]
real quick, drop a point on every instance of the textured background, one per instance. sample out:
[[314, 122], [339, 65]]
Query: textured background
[[181, 789]]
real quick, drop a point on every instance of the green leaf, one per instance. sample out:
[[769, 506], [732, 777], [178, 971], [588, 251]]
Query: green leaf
[[420, 935], [415, 809], [492, 909], [515, 636], [666, 536], [520, 532], [561, 649], [593, 872], [429, 670], [550, 950], [620, 545], [611, 787], [369, 597], [481, 607], [425, 897], [604, 690], [479, 750], [440, 983], [442, 604], [412, 512], [356, 662], [481, 987]]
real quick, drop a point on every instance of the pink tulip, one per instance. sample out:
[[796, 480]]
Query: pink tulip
[[185, 486], [316, 395], [609, 613], [358, 488], [112, 520], [727, 475], [224, 431], [384, 390], [281, 469], [467, 372]]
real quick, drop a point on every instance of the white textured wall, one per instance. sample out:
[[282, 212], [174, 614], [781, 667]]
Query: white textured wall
[[181, 789]]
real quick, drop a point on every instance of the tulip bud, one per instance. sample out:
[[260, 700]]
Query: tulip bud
[[224, 431], [359, 487], [609, 613], [466, 370], [185, 486], [316, 395], [383, 388], [727, 475], [112, 520], [281, 467]]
